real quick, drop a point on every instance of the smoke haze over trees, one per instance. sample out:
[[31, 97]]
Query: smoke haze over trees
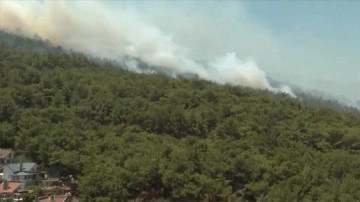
[[173, 37]]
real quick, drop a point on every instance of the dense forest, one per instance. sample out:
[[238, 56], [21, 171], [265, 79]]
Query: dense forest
[[148, 136]]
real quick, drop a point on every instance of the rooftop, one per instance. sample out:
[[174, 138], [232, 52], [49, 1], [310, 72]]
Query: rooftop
[[12, 186], [4, 152], [24, 173], [15, 167]]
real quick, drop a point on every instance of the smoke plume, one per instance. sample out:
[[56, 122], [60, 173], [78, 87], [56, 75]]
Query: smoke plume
[[95, 28]]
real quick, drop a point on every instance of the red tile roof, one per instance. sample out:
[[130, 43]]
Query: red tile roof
[[4, 153], [12, 187]]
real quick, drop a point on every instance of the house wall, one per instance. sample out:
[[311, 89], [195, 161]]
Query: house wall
[[7, 173], [12, 156], [8, 160], [23, 177]]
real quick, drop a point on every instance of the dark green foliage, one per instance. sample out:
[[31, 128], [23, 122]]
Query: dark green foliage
[[128, 135]]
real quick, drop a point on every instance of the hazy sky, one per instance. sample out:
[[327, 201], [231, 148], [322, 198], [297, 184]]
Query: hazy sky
[[312, 44], [322, 39]]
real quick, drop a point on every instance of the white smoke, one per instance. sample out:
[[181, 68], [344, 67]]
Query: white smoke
[[94, 28]]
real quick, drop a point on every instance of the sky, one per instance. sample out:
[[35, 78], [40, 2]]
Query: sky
[[325, 33], [311, 44]]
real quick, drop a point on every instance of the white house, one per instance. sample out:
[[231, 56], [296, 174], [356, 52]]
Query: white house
[[24, 172]]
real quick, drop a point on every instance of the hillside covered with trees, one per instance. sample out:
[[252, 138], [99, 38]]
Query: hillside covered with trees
[[148, 136]]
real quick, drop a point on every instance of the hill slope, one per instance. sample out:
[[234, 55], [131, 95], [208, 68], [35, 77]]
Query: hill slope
[[128, 135]]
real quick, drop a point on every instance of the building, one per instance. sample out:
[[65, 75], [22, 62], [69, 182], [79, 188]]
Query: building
[[6, 156], [24, 172], [9, 188]]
